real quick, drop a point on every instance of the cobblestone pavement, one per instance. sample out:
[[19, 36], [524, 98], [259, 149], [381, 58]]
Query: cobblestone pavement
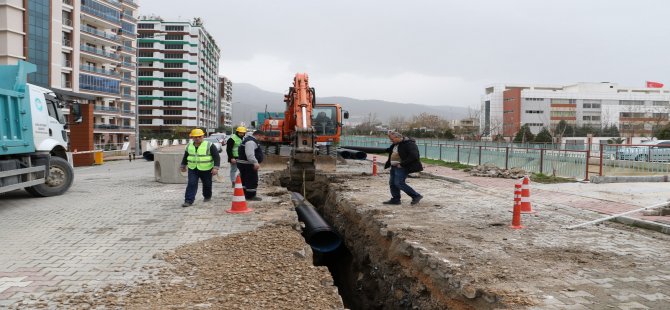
[[103, 230]]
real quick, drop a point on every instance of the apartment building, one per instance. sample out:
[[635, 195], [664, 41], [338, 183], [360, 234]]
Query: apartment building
[[635, 111], [84, 50], [226, 102], [178, 76]]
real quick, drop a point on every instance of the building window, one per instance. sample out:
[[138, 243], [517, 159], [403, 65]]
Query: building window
[[172, 103], [631, 102], [534, 111], [145, 111], [535, 124], [145, 83], [172, 122], [174, 46], [173, 74], [174, 37], [145, 73], [146, 121], [172, 93], [145, 26], [631, 114], [146, 54], [145, 92], [591, 105], [174, 56], [563, 101], [172, 112], [533, 99], [145, 44], [172, 84], [38, 41], [174, 28], [145, 102], [174, 65], [661, 103]]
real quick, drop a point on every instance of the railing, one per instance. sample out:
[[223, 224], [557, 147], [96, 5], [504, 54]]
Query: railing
[[127, 80], [104, 108], [110, 146], [99, 70], [67, 63], [112, 18], [115, 2], [68, 2], [128, 17], [67, 22], [127, 34], [110, 126], [128, 49], [99, 33], [67, 42], [98, 52], [66, 84], [128, 65], [130, 2]]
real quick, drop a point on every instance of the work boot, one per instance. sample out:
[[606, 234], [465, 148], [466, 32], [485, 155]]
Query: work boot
[[186, 204], [416, 200], [207, 199], [233, 184], [391, 202], [255, 198]]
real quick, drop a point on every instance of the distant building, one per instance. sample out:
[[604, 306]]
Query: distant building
[[465, 127], [225, 102], [635, 111], [84, 51], [178, 75]]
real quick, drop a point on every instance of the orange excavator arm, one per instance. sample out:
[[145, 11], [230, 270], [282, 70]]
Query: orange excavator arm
[[299, 107]]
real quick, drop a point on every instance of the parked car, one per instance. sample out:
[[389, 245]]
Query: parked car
[[216, 142], [659, 150], [221, 137]]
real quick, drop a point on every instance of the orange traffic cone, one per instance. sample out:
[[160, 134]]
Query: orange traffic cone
[[516, 212], [239, 202], [374, 165], [525, 196]]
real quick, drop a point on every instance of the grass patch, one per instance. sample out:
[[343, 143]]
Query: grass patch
[[547, 179], [450, 164]]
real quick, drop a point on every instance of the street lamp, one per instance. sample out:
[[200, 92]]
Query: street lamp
[[137, 91]]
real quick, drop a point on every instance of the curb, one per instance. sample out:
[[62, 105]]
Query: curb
[[655, 226], [629, 179], [441, 177]]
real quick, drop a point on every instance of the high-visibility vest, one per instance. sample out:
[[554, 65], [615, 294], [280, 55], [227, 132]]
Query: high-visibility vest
[[200, 158], [236, 146]]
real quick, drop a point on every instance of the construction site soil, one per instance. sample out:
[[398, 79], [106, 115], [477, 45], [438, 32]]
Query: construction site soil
[[454, 250]]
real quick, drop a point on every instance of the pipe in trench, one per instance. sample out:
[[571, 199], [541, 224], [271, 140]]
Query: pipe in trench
[[351, 154], [318, 234], [367, 149]]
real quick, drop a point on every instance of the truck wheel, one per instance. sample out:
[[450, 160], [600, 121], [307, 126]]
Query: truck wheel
[[59, 181]]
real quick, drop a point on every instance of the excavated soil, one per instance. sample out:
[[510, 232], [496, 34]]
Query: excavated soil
[[270, 268]]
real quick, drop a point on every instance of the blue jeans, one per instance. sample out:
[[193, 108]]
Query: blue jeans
[[192, 187], [397, 183], [233, 172]]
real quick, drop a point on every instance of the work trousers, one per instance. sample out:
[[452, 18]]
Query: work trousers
[[249, 178], [192, 188], [233, 173], [397, 183]]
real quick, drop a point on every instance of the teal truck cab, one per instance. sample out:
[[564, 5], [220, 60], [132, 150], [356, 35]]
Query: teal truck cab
[[33, 139]]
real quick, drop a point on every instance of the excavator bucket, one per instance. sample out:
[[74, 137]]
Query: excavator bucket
[[324, 163]]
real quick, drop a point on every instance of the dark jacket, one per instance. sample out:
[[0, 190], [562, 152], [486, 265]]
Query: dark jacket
[[409, 155], [230, 143], [258, 152]]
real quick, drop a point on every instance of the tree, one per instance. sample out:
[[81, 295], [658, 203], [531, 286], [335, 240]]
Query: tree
[[663, 133], [397, 123], [544, 136], [524, 135]]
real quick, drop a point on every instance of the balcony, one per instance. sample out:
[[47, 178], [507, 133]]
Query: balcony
[[99, 33], [99, 70], [98, 52], [67, 2], [67, 42], [127, 33], [108, 17], [67, 22], [129, 18], [66, 84], [67, 63], [128, 49], [113, 127], [105, 109], [129, 2]]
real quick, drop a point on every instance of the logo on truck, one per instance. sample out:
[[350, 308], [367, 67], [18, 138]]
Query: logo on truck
[[38, 104]]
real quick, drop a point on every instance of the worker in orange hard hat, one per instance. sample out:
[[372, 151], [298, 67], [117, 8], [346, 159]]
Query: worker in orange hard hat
[[202, 160], [232, 150]]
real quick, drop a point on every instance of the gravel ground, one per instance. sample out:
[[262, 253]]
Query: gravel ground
[[270, 268]]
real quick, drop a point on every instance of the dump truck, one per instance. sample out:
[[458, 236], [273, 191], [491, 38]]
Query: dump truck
[[33, 138]]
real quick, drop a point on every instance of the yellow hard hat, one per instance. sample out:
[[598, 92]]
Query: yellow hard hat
[[241, 129], [197, 133]]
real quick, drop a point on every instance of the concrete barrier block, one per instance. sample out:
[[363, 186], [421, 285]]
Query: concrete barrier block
[[175, 142], [166, 169]]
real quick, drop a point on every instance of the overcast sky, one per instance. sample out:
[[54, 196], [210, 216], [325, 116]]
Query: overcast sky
[[432, 52]]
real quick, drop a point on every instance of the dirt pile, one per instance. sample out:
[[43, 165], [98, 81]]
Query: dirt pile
[[270, 268], [493, 171]]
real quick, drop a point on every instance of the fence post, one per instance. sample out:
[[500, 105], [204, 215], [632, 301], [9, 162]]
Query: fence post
[[600, 171], [425, 150], [542, 161], [506, 157], [588, 154], [458, 153], [440, 151], [480, 155]]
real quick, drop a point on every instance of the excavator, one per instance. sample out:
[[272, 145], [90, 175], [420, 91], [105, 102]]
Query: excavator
[[305, 127]]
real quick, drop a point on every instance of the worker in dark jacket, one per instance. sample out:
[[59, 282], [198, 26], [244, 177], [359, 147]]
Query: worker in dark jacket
[[232, 148], [203, 160], [403, 159], [248, 162]]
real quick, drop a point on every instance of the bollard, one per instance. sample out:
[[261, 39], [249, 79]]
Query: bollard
[[374, 165], [516, 212], [130, 157]]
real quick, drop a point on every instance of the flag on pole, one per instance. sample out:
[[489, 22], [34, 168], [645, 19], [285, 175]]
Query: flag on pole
[[651, 84]]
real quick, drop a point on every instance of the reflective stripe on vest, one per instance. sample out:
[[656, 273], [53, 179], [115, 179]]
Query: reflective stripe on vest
[[238, 141], [201, 158]]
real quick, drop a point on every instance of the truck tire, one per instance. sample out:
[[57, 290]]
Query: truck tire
[[59, 181]]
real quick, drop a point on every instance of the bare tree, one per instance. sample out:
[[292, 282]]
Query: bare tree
[[398, 123]]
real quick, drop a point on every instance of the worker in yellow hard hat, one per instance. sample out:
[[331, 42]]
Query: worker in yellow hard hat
[[202, 160], [232, 150]]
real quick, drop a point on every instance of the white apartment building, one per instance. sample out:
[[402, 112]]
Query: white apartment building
[[635, 111], [225, 102], [178, 76], [84, 50]]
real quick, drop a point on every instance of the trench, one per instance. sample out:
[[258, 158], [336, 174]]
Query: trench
[[373, 268]]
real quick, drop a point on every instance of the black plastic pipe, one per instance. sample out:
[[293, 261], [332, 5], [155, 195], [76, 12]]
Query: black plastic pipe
[[351, 154], [318, 234], [149, 156], [367, 149]]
